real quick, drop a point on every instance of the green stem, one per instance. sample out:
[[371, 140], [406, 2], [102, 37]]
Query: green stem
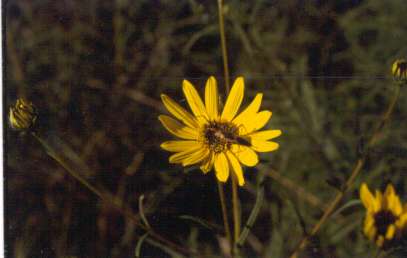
[[223, 44], [224, 213], [235, 198], [236, 213]]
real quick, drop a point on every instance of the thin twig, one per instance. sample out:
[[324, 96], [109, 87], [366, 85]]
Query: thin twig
[[348, 184]]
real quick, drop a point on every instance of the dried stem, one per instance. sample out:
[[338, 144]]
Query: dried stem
[[348, 184]]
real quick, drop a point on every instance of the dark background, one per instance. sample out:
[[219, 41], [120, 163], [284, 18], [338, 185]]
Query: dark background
[[95, 71]]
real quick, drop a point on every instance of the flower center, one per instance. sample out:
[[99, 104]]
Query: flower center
[[383, 219], [219, 136]]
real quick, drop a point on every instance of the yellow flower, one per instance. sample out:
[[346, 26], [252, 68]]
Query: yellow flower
[[23, 115], [210, 138], [399, 70], [385, 217]]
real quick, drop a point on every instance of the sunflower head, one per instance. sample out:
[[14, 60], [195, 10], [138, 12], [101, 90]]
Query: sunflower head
[[213, 139], [399, 70], [385, 218], [23, 115]]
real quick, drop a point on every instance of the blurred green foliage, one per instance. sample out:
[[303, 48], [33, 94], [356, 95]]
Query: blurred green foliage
[[95, 70]]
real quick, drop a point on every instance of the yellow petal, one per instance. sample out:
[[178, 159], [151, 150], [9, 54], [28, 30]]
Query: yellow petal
[[254, 122], [221, 167], [179, 112], [390, 232], [369, 223], [366, 197], [196, 157], [402, 221], [245, 155], [380, 241], [265, 135], [181, 156], [264, 146], [392, 201], [388, 197], [194, 101], [179, 146], [177, 129], [379, 201], [371, 234], [211, 98], [236, 168], [207, 164], [261, 119], [249, 111], [234, 100]]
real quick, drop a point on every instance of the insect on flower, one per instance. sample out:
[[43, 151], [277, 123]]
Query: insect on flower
[[212, 139]]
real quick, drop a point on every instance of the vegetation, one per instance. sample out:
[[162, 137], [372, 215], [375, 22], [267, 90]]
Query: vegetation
[[90, 180]]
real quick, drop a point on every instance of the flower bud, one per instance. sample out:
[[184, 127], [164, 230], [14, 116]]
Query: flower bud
[[23, 115], [399, 70]]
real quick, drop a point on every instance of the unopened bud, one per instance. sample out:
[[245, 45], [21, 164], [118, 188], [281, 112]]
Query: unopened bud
[[23, 115], [399, 70]]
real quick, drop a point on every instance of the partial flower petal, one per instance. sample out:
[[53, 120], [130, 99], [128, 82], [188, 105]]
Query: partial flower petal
[[392, 201], [366, 197], [380, 241], [265, 135], [249, 111], [177, 129], [261, 119], [379, 201], [391, 229], [180, 146], [402, 222], [181, 156], [371, 234], [234, 100], [207, 164], [211, 98], [245, 155], [237, 168], [194, 101], [196, 157], [264, 146], [179, 112], [369, 223], [221, 167], [254, 122]]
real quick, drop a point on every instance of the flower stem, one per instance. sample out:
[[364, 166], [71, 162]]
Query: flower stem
[[223, 44], [236, 213], [224, 213], [235, 198], [355, 172]]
